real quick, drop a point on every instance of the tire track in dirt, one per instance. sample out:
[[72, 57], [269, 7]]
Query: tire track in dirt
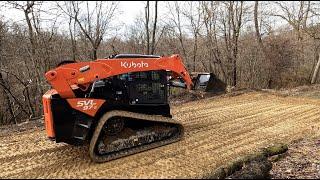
[[217, 131], [249, 142]]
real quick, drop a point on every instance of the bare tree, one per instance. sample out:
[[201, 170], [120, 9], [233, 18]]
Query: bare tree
[[175, 20], [297, 19], [210, 20], [153, 42], [256, 25], [147, 16], [68, 10], [137, 36], [232, 21], [28, 8], [313, 31], [261, 44], [193, 14], [150, 47], [94, 28]]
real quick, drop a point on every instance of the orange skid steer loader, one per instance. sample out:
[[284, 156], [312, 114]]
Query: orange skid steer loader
[[119, 105]]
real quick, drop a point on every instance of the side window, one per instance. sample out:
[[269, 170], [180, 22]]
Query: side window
[[155, 76], [141, 75], [123, 76], [147, 75]]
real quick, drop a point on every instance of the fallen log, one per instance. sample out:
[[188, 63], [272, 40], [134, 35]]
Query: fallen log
[[253, 166]]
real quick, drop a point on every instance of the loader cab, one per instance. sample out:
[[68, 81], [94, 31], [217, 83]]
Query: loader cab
[[143, 88], [138, 88], [144, 91]]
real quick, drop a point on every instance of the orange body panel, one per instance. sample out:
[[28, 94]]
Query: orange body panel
[[86, 105], [48, 119], [65, 76]]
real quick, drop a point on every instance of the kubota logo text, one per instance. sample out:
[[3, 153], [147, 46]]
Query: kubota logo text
[[87, 105], [134, 64]]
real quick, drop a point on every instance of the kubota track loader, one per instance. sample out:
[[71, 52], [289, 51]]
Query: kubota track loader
[[118, 105]]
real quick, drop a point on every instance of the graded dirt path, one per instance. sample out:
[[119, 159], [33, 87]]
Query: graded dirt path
[[217, 130]]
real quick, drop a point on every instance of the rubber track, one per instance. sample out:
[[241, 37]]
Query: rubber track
[[134, 150]]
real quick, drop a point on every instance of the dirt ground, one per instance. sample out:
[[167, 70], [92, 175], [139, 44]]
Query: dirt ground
[[217, 130], [302, 159]]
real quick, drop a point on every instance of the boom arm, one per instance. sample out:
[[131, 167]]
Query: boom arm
[[83, 74]]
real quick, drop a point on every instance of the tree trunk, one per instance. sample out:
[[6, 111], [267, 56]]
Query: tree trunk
[[94, 53], [30, 31], [73, 43], [154, 28], [316, 70], [33, 42], [195, 47], [261, 45], [147, 27], [256, 25], [234, 72]]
